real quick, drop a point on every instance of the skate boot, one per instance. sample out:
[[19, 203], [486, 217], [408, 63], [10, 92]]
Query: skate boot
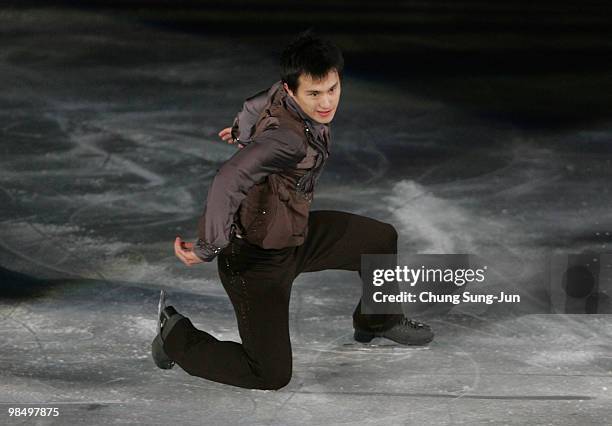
[[405, 332], [166, 318]]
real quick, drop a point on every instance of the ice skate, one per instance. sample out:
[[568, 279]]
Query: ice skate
[[405, 332], [164, 313]]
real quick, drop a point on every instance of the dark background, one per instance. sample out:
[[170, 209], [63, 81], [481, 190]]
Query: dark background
[[541, 65]]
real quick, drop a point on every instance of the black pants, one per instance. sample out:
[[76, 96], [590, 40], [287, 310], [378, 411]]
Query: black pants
[[258, 283]]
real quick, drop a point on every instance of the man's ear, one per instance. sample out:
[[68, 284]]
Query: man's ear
[[287, 89]]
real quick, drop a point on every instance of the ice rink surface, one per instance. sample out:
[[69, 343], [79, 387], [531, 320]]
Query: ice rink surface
[[108, 142]]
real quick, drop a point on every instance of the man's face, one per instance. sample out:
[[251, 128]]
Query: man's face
[[318, 98]]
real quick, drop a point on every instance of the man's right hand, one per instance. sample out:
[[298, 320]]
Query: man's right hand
[[184, 251], [226, 135]]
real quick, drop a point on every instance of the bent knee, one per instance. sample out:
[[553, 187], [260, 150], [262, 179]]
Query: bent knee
[[392, 233], [276, 384], [276, 380], [388, 238]]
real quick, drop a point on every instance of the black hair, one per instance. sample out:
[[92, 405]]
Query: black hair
[[311, 55]]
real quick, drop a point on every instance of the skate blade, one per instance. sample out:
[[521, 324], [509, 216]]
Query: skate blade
[[160, 308], [382, 343]]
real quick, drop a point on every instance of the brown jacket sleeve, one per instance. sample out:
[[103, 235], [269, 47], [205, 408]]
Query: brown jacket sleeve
[[245, 121], [272, 151]]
